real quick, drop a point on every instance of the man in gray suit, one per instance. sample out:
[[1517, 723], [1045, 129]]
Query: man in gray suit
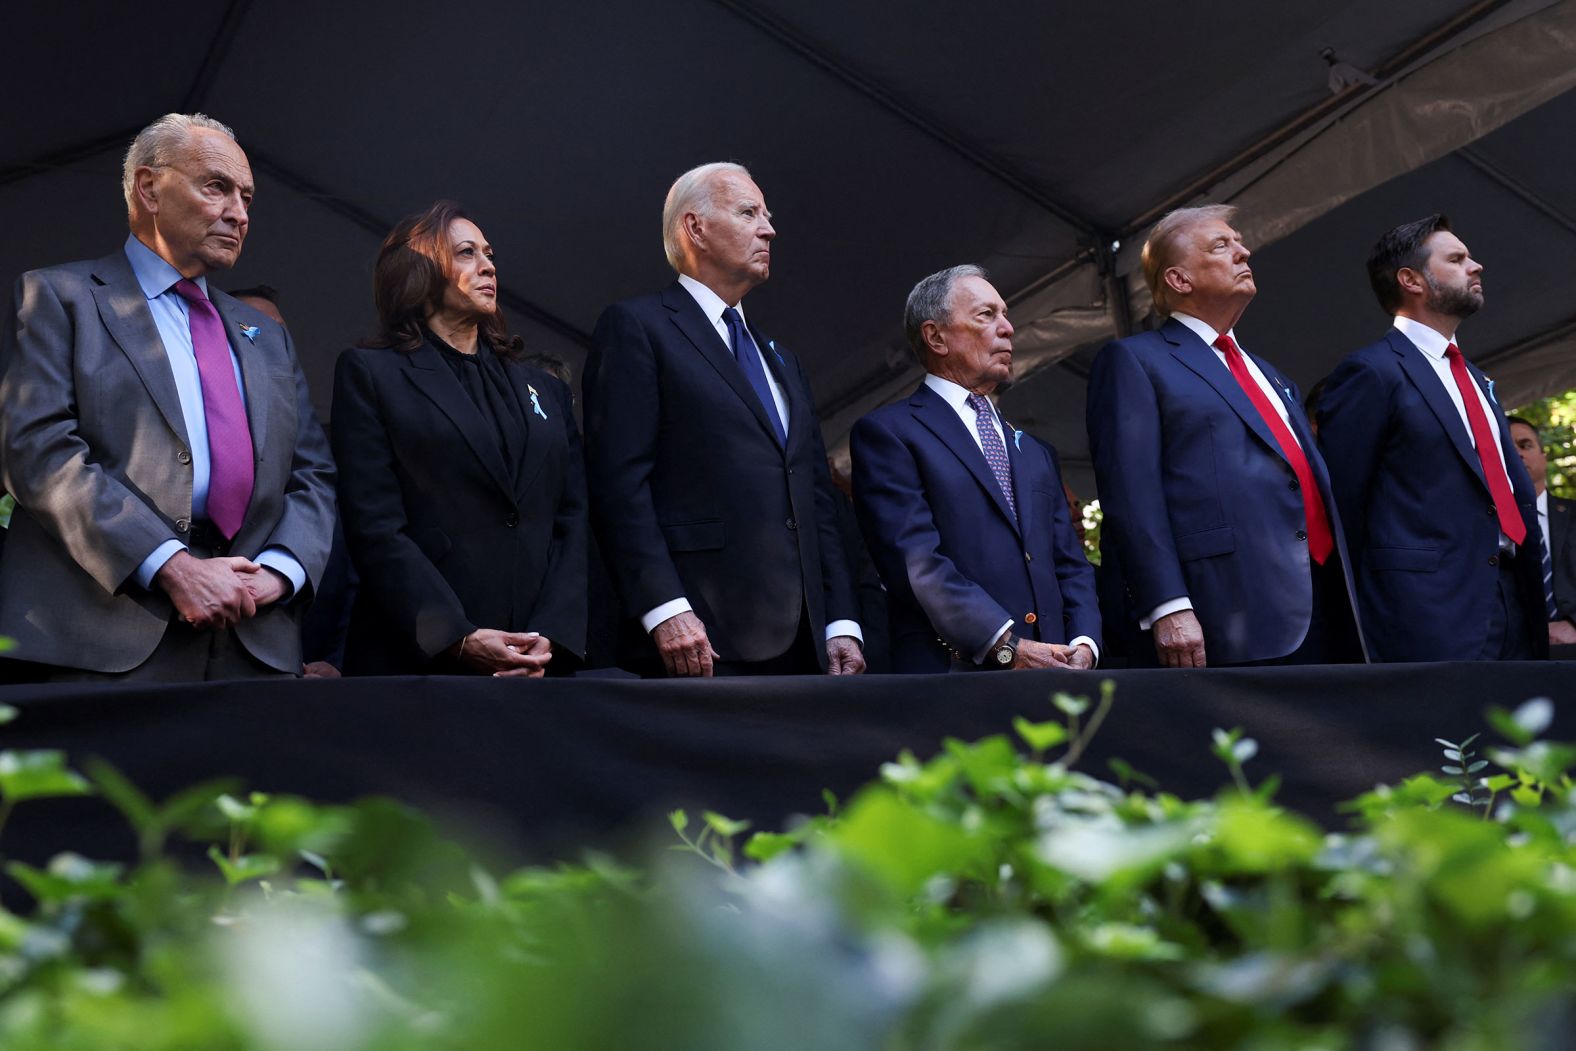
[[174, 490]]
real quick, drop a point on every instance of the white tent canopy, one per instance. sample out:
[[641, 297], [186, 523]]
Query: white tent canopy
[[891, 141]]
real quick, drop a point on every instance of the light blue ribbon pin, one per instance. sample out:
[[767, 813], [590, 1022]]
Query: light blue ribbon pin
[[536, 404], [1017, 440], [250, 332]]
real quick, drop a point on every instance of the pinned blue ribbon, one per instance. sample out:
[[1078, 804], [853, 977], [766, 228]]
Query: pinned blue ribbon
[[250, 332], [771, 345], [1492, 398], [536, 404], [1017, 440]]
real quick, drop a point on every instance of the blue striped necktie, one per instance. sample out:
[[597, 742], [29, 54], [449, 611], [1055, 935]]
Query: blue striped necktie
[[1548, 579]]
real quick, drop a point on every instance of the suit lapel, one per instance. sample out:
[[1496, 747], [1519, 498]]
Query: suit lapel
[[428, 374], [798, 411], [1428, 384], [932, 410], [1559, 524], [1191, 351], [126, 316], [254, 376], [1020, 470], [535, 453], [689, 319]]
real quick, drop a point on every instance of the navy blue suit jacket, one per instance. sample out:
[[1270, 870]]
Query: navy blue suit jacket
[[956, 562], [1420, 523], [693, 496], [1199, 498]]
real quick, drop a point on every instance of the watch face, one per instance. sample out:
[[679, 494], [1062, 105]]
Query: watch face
[[1004, 655]]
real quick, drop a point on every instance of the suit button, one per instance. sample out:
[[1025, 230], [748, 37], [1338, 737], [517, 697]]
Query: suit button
[[1493, 560], [513, 520], [184, 456], [1302, 534], [1293, 485], [182, 525], [791, 524], [1491, 510], [1029, 618]]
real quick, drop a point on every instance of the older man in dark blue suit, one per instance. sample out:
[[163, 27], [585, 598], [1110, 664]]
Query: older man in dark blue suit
[[1220, 533], [710, 491], [1441, 516], [964, 515]]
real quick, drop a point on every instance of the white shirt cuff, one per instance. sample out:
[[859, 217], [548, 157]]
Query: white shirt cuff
[[671, 608], [845, 627], [1084, 640], [979, 657], [277, 558], [1165, 609], [153, 563]]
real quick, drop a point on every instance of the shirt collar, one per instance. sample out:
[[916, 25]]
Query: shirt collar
[[154, 273], [1543, 505], [954, 394], [1202, 330], [1424, 338], [711, 304]]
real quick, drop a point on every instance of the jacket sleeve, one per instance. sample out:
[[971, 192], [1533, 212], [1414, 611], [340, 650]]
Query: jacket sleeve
[[622, 413], [107, 528], [906, 545], [1126, 439], [1074, 574], [411, 593], [842, 599]]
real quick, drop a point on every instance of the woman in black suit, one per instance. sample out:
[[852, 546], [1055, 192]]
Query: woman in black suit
[[461, 486]]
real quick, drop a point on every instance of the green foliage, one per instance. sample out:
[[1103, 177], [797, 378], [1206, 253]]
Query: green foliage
[[991, 896], [1555, 419]]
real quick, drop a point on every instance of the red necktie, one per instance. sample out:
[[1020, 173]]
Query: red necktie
[[1510, 522], [1321, 541], [229, 438]]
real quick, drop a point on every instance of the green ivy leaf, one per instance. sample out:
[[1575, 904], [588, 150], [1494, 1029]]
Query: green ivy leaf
[[724, 826], [763, 846], [39, 774], [7, 712], [1041, 737], [678, 819], [69, 877], [234, 809], [1069, 704]]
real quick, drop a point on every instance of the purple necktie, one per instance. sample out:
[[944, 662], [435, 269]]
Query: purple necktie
[[995, 451], [229, 438]]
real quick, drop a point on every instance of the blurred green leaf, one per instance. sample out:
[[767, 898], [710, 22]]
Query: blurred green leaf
[[763, 846], [1547, 761], [1069, 704], [7, 712], [678, 819], [38, 774], [724, 826], [900, 844], [69, 877], [245, 867], [1041, 737]]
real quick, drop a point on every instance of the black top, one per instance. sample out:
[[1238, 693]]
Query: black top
[[482, 377]]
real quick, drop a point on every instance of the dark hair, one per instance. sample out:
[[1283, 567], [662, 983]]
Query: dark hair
[[268, 292], [553, 366], [1509, 420], [1310, 404], [409, 278], [1401, 247]]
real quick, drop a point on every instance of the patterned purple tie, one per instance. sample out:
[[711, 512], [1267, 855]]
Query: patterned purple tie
[[229, 437], [995, 451]]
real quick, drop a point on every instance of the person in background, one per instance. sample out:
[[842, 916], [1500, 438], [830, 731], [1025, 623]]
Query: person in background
[[463, 501], [174, 492], [1559, 538], [262, 298]]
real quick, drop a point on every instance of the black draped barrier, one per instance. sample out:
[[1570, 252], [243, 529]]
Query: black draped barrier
[[550, 767]]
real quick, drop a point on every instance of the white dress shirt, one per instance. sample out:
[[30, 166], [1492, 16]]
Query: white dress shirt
[[712, 305], [1209, 335], [1433, 345], [957, 397]]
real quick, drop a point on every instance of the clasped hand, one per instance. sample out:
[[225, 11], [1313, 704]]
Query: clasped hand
[[505, 654], [213, 593]]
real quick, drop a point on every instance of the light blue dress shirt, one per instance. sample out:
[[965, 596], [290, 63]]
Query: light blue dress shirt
[[157, 279]]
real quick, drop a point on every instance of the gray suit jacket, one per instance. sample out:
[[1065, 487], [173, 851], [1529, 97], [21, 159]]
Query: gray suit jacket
[[94, 447]]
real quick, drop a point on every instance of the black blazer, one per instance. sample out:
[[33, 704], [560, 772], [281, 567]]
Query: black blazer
[[693, 495], [444, 541]]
